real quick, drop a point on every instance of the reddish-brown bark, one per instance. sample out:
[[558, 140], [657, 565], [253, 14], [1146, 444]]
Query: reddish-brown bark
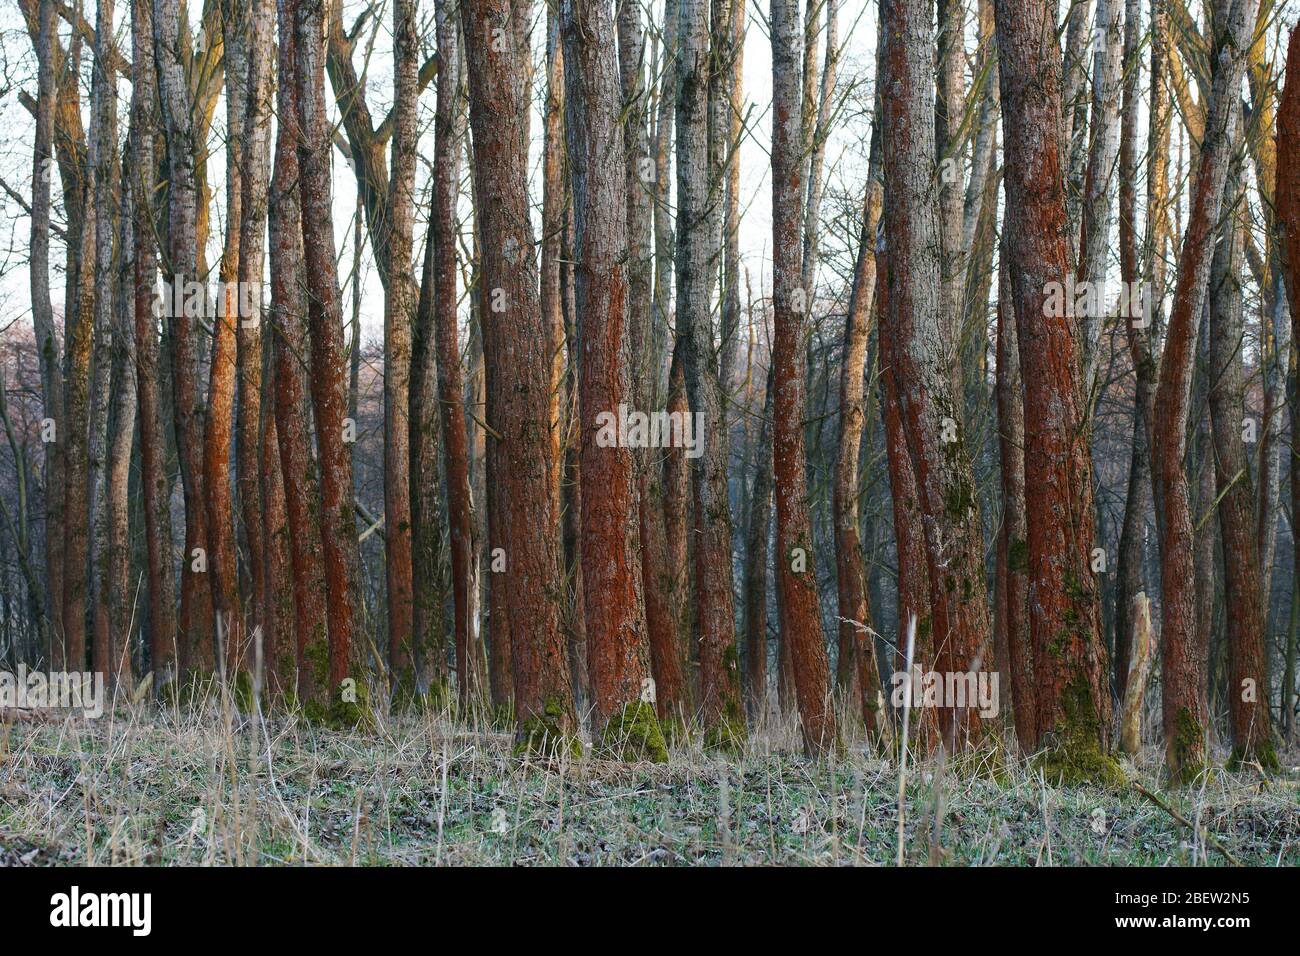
[[801, 624], [1064, 611], [290, 351], [697, 237], [1288, 176], [1184, 709], [617, 649], [325, 321], [446, 166], [1247, 689], [909, 539], [920, 360], [219, 500], [662, 626], [1288, 223], [519, 376], [181, 266]]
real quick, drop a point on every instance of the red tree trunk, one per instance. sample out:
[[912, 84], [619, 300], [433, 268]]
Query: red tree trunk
[[1184, 709], [1064, 612], [921, 360], [328, 367], [519, 378], [801, 623], [617, 649]]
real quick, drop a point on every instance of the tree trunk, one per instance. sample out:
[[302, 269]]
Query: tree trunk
[[291, 352], [1184, 711], [181, 266], [399, 309], [222, 559], [441, 326], [756, 563], [519, 377], [1128, 576], [617, 651], [328, 369], [856, 661], [1094, 245], [801, 623], [47, 345], [1064, 607], [122, 420], [1014, 553], [922, 358], [1247, 690], [720, 705], [154, 483], [1135, 679], [262, 514], [662, 623], [1288, 216], [106, 174], [678, 507], [950, 140], [909, 538]]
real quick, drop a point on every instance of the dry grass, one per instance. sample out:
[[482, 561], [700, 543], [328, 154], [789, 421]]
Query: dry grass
[[206, 786]]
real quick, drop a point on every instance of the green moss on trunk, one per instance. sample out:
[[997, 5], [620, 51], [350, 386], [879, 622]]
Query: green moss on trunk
[[633, 734], [1184, 753], [1074, 755], [1259, 752], [728, 734], [544, 734], [341, 714]]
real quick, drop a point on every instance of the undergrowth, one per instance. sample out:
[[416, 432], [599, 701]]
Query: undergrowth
[[206, 785]]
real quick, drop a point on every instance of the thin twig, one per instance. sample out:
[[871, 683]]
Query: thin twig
[[1201, 831]]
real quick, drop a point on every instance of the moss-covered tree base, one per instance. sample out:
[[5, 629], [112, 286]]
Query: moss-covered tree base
[[1261, 755], [726, 736], [1185, 752], [634, 734], [545, 735], [1072, 755], [241, 692], [341, 714], [1080, 763], [184, 691]]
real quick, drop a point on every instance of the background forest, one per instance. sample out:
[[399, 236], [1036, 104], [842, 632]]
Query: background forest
[[983, 314]]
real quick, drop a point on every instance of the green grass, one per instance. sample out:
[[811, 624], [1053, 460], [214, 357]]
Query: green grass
[[209, 787]]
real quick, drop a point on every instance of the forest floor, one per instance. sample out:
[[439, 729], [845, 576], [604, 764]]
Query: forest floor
[[208, 787]]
